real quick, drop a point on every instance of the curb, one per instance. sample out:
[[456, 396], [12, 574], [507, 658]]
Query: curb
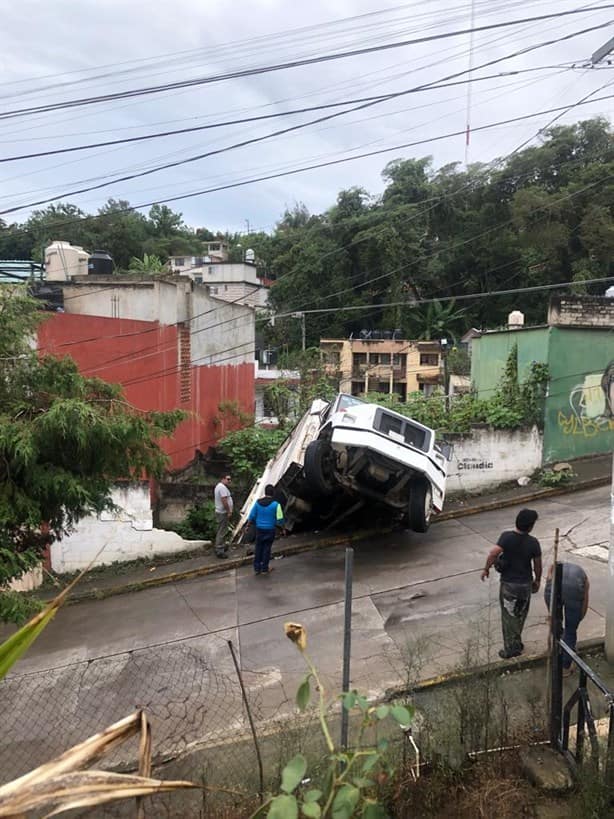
[[588, 646], [337, 540]]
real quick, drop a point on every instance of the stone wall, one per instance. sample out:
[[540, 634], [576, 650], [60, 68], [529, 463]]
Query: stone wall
[[581, 311], [487, 457]]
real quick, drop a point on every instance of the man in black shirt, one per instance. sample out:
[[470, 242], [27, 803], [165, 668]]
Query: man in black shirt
[[518, 558]]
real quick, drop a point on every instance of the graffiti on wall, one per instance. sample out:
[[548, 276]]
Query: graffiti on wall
[[591, 406]]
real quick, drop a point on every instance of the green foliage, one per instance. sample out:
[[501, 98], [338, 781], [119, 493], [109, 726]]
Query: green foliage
[[513, 405], [250, 449], [551, 478], [148, 264], [349, 777], [64, 441], [459, 362], [199, 523]]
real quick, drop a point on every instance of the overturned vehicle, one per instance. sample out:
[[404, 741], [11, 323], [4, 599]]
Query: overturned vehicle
[[348, 454]]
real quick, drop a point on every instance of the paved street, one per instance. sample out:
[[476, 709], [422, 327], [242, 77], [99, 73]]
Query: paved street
[[419, 610]]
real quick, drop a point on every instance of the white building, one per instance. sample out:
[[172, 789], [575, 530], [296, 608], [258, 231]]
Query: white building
[[231, 281]]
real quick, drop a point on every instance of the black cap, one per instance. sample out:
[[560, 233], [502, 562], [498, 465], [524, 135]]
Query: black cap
[[525, 520]]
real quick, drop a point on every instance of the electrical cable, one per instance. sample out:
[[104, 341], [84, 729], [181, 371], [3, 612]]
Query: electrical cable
[[298, 63]]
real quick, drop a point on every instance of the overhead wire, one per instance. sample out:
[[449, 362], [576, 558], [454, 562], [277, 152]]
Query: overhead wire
[[299, 63], [254, 140]]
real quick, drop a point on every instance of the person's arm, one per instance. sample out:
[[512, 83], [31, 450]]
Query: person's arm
[[537, 570], [226, 504], [492, 556], [279, 516], [585, 601], [252, 515]]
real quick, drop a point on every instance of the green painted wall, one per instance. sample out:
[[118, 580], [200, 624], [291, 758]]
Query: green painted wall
[[489, 356], [579, 411]]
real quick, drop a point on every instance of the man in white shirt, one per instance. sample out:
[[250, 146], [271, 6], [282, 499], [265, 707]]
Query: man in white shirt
[[223, 513]]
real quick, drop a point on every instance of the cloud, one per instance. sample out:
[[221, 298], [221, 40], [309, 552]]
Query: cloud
[[134, 44]]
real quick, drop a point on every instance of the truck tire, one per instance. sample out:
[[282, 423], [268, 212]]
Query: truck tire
[[420, 505], [319, 466]]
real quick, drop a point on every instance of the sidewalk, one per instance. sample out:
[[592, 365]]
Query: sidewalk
[[125, 578]]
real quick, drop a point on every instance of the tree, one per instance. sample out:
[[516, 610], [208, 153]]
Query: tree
[[435, 321], [148, 264], [64, 441]]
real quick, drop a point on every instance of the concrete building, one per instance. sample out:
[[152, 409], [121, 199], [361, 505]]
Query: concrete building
[[577, 345], [231, 281], [388, 365], [167, 341]]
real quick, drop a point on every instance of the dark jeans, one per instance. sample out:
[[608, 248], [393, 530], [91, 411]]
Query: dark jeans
[[262, 549], [573, 615], [514, 599]]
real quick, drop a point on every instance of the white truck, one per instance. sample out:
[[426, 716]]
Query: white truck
[[347, 453]]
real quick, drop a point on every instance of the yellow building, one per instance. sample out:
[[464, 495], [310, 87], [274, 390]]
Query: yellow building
[[388, 365]]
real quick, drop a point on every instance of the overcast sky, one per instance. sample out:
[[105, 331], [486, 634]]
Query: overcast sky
[[58, 51]]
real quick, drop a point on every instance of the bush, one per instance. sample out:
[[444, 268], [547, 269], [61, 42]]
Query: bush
[[550, 478], [199, 523], [250, 449]]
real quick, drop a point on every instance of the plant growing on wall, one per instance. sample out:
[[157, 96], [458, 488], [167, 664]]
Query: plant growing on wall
[[249, 449], [64, 441]]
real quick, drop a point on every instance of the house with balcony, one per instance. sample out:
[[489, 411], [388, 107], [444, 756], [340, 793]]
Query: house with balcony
[[382, 361]]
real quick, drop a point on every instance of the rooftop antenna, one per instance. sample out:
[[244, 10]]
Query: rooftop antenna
[[469, 84]]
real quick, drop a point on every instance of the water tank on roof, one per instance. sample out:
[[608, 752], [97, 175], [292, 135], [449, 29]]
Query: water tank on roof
[[515, 320], [387, 335], [397, 334], [100, 264], [609, 293], [365, 334], [63, 261], [376, 335], [250, 256]]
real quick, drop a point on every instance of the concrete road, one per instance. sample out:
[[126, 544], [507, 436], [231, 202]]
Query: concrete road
[[419, 609]]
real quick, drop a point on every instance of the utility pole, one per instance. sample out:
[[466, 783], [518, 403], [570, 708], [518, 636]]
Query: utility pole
[[609, 612], [301, 316], [248, 227], [603, 51]]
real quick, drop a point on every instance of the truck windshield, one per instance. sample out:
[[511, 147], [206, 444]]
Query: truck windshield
[[402, 430]]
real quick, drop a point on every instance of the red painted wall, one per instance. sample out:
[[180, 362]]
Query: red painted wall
[[145, 358]]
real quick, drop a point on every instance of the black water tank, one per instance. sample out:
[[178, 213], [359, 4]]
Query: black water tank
[[365, 334], [387, 335], [100, 264], [376, 335], [397, 334]]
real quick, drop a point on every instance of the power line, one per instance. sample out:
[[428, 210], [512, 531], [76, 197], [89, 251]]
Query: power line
[[262, 117], [296, 63], [254, 140]]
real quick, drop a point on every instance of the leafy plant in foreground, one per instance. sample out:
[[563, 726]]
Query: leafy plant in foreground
[[350, 785]]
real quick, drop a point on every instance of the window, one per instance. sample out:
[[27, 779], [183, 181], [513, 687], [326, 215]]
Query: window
[[214, 246], [373, 359], [401, 430], [358, 387], [331, 357], [384, 387], [359, 358], [384, 358], [179, 262], [197, 261], [429, 359], [399, 360]]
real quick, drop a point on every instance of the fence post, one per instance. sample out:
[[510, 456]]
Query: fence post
[[347, 640], [251, 722], [556, 668]]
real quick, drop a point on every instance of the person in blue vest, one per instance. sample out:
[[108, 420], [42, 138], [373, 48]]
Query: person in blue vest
[[266, 515]]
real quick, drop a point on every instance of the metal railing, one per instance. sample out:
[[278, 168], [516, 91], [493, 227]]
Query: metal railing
[[561, 712]]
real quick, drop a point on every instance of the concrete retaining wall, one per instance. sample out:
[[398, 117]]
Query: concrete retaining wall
[[127, 533], [487, 457]]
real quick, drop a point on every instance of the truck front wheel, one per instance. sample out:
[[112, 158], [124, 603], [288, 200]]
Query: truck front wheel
[[420, 505], [319, 466]]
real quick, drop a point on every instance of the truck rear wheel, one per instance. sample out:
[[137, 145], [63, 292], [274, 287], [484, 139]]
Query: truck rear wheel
[[420, 505], [319, 466]]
